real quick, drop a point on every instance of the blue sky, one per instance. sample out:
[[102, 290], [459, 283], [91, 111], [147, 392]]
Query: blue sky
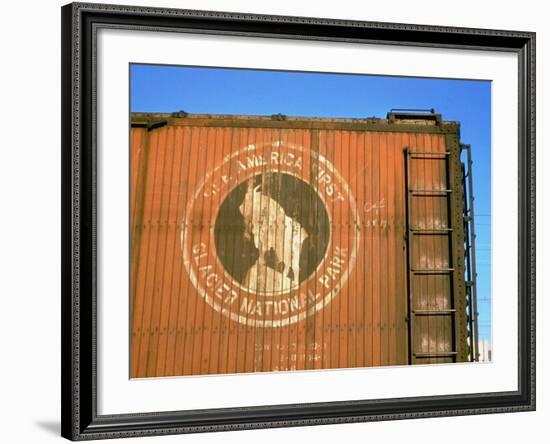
[[155, 88]]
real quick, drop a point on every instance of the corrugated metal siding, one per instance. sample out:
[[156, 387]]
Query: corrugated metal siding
[[175, 332]]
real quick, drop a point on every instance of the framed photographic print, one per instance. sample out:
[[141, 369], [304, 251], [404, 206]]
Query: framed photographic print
[[278, 221]]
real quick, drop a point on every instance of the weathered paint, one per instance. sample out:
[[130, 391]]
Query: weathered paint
[[194, 307]]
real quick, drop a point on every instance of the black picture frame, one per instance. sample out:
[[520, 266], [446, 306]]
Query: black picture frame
[[80, 420]]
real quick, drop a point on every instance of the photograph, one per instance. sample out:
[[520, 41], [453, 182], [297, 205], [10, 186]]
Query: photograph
[[274, 222], [286, 221], [277, 220]]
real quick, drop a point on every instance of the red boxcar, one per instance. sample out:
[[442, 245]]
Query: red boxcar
[[277, 243]]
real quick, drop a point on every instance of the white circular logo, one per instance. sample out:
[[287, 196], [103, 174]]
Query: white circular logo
[[276, 251]]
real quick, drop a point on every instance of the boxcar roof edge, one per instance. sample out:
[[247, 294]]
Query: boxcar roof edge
[[157, 120]]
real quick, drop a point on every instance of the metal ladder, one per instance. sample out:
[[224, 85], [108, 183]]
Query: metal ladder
[[469, 256], [415, 273]]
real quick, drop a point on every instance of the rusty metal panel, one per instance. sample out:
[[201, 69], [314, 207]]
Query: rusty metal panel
[[271, 247]]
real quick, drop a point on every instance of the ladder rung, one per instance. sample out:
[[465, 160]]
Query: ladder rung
[[429, 192], [431, 230], [434, 312], [426, 155], [434, 271], [435, 355]]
